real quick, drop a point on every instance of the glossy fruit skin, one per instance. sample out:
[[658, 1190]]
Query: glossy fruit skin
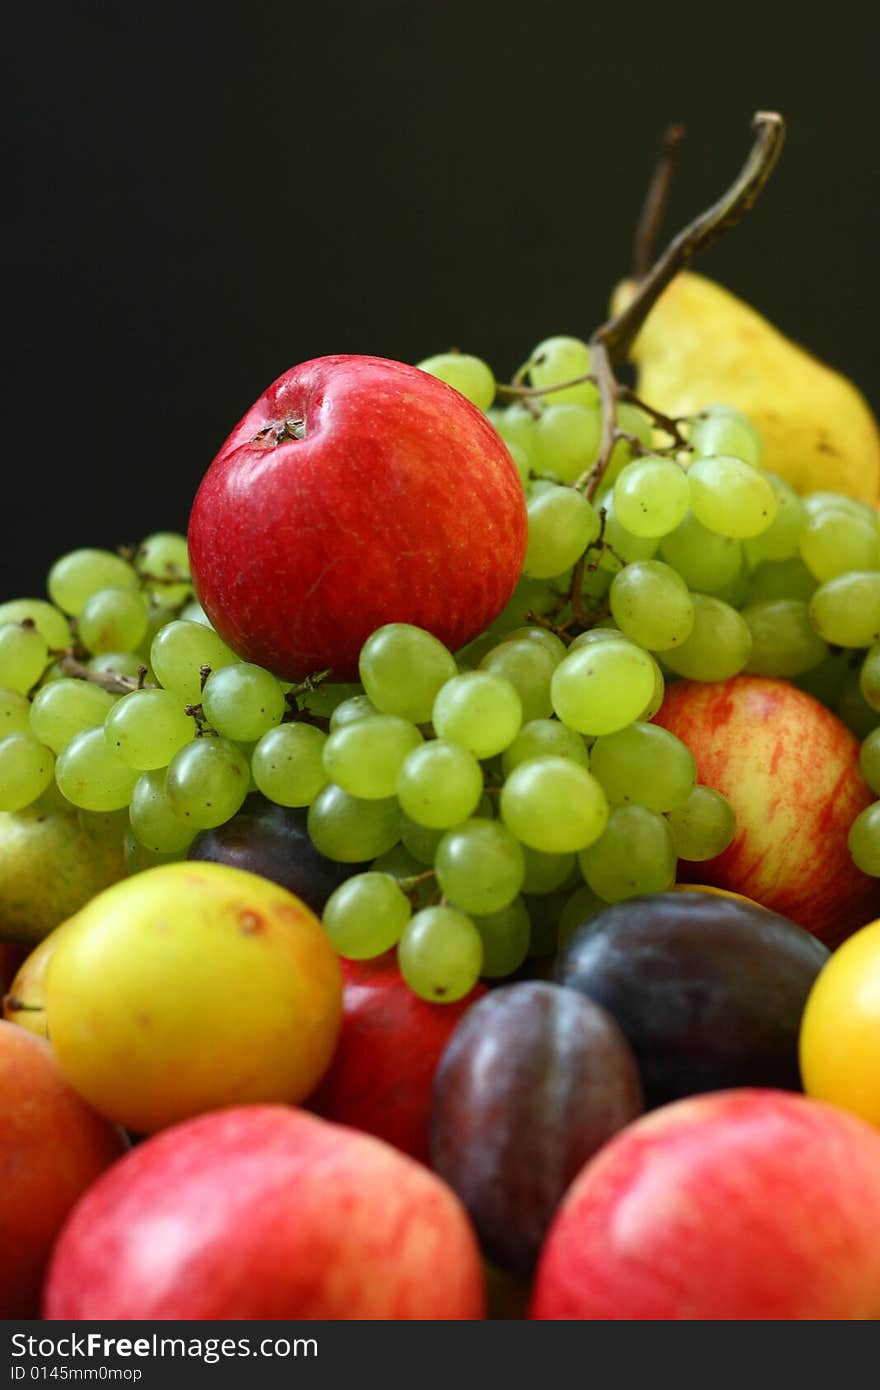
[[708, 991], [52, 1148], [738, 1206], [272, 841], [399, 504], [534, 1081], [383, 1068], [789, 768], [840, 1030], [275, 1214]]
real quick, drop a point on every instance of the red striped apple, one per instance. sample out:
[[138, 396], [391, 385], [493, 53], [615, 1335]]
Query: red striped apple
[[737, 1206], [789, 768], [263, 1212], [355, 492]]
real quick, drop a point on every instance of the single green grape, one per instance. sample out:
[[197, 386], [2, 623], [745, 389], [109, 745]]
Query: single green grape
[[350, 829], [180, 650], [347, 711], [113, 620], [567, 440], [24, 656], [731, 497], [366, 915], [558, 360], [243, 702], [782, 538], [835, 541], [67, 707], [705, 560], [651, 496], [468, 375], [480, 865], [869, 760], [541, 738], [147, 727], [634, 855], [541, 636], [718, 646], [440, 954], [554, 805], [845, 610], [364, 757], [287, 764], [26, 768], [479, 711], [207, 781], [15, 713], [562, 524], [49, 621], [602, 687], [864, 840], [529, 667], [162, 565], [402, 668], [621, 547], [644, 765], [703, 826], [722, 429], [784, 641], [652, 605], [439, 784], [153, 817], [91, 775]]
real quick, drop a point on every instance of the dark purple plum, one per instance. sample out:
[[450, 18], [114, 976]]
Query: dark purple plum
[[708, 990], [273, 841], [532, 1082]]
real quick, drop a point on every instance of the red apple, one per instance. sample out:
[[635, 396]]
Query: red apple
[[52, 1147], [355, 492], [742, 1206], [383, 1069], [789, 768], [266, 1212]]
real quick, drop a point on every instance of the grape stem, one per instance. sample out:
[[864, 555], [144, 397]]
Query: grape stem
[[656, 199], [113, 681]]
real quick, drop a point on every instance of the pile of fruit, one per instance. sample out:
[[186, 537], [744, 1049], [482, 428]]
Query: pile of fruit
[[450, 872]]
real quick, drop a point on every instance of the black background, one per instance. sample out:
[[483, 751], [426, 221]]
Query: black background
[[204, 194]]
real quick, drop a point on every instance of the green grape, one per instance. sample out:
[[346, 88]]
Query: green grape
[[818, 502], [541, 636], [518, 428], [544, 738], [505, 935], [147, 727], [579, 907], [364, 757], [630, 420], [480, 866], [15, 714], [178, 652], [529, 667], [153, 817], [845, 611], [567, 440], [621, 547], [560, 359], [657, 694], [864, 840], [26, 767], [439, 785], [91, 775], [48, 620], [113, 620], [545, 873], [402, 668], [466, 374], [719, 644], [243, 702], [23, 656], [634, 855], [869, 760], [138, 857], [554, 805], [780, 579], [478, 711], [781, 539], [288, 764], [704, 826], [162, 565], [562, 523], [602, 687], [646, 765], [420, 841], [651, 496], [355, 707], [107, 827], [349, 829], [79, 574], [329, 696], [835, 541], [705, 560], [651, 604], [207, 781], [365, 916], [869, 677], [67, 707], [731, 497], [784, 643], [605, 631], [721, 429], [440, 954]]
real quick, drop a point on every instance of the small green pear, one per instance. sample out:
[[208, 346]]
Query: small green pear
[[49, 868], [700, 345]]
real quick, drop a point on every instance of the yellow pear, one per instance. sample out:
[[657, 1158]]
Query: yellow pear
[[49, 868], [700, 345]]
